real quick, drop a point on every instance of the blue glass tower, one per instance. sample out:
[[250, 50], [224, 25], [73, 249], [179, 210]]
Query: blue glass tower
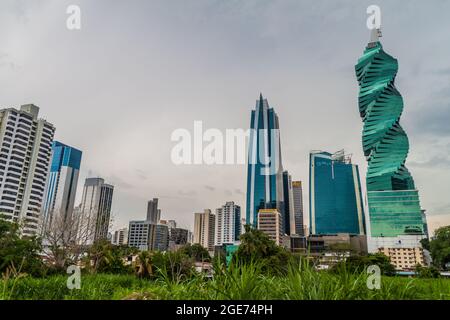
[[62, 183], [265, 170], [335, 195]]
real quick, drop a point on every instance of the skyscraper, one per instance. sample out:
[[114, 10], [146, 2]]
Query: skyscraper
[[62, 183], [288, 219], [297, 192], [335, 195], [153, 213], [393, 200], [228, 224], [265, 170], [26, 143], [204, 229], [95, 207]]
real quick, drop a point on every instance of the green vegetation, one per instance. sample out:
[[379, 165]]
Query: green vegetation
[[439, 247], [247, 281], [259, 270]]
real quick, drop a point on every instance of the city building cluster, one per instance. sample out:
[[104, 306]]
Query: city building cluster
[[39, 177]]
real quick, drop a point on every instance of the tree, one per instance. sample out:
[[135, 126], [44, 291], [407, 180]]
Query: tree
[[19, 252], [144, 264], [196, 251], [440, 247], [257, 246], [66, 240], [103, 257]]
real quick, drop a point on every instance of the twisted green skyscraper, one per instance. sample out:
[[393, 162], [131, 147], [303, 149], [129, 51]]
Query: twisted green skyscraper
[[394, 206], [385, 143]]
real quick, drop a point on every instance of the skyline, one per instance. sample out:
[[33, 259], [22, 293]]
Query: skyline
[[289, 72]]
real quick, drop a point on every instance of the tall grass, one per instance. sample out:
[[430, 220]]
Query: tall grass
[[237, 282]]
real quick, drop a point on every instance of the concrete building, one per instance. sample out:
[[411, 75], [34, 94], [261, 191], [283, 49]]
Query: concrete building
[[297, 194], [142, 235], [204, 229], [25, 153], [95, 207], [62, 184], [269, 222], [228, 224], [120, 237], [404, 258]]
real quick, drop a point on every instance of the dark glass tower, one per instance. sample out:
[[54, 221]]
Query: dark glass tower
[[265, 170], [335, 195]]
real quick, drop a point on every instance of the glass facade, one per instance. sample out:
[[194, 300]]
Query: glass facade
[[264, 171], [394, 213], [394, 206], [335, 195]]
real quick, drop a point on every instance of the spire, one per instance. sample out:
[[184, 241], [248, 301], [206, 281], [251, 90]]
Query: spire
[[260, 96]]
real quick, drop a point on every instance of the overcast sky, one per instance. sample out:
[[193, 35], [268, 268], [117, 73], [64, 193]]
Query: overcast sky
[[138, 70]]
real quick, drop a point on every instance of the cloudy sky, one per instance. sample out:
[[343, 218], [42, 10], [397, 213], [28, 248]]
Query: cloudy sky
[[138, 70]]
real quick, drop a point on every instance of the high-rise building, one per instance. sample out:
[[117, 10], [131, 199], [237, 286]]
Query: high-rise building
[[153, 213], [228, 224], [336, 204], [265, 169], [62, 183], [269, 222], [26, 143], [162, 237], [95, 207], [204, 229], [393, 200], [120, 237], [297, 192], [142, 235], [288, 219], [178, 237]]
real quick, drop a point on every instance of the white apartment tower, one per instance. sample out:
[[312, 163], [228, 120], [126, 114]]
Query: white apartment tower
[[26, 144], [228, 224]]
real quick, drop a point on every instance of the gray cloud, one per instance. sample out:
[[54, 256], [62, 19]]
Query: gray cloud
[[119, 87]]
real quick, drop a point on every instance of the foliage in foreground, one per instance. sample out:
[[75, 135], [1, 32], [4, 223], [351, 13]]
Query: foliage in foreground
[[237, 282]]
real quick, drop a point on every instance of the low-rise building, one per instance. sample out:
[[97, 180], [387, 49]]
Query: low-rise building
[[404, 258]]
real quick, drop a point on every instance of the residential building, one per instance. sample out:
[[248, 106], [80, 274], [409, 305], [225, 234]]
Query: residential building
[[204, 229], [336, 204], [62, 184], [142, 235], [228, 224], [95, 208], [269, 222], [265, 170], [26, 143], [297, 193], [120, 237], [404, 258], [393, 200]]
